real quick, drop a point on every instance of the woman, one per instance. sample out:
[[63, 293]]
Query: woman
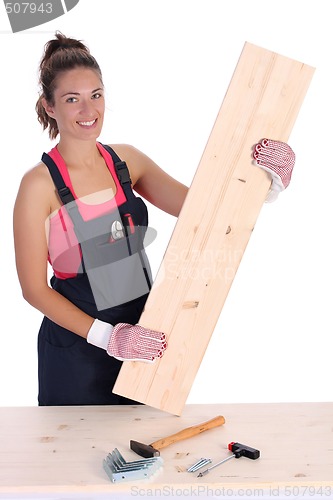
[[76, 210]]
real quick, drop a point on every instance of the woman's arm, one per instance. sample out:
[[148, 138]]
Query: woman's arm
[[31, 214]]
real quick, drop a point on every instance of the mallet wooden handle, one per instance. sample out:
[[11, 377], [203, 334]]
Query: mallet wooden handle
[[188, 432]]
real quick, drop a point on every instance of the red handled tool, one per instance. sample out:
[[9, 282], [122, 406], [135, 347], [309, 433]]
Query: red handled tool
[[238, 450], [130, 224]]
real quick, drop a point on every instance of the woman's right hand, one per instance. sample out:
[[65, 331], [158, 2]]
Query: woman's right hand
[[127, 342], [136, 343]]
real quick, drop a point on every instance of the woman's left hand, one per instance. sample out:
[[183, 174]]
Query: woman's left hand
[[278, 159]]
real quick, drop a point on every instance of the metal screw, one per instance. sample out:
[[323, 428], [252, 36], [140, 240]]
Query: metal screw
[[200, 463]]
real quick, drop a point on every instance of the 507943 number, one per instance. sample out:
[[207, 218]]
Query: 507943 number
[[28, 8]]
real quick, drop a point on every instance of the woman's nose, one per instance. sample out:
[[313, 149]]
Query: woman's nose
[[87, 107]]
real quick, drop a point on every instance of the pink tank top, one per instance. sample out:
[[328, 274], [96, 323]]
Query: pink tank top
[[64, 250]]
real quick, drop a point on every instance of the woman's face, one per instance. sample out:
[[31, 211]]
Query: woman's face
[[78, 104]]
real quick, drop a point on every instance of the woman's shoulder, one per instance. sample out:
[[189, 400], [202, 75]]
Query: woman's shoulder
[[36, 174], [125, 150], [134, 158], [36, 180], [136, 161]]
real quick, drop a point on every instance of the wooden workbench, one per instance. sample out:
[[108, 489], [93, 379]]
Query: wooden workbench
[[57, 452]]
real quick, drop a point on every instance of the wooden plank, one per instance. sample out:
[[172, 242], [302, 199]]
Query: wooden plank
[[215, 224]]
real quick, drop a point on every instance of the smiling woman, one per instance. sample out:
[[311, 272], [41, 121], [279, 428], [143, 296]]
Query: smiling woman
[[94, 300], [61, 56], [79, 110], [82, 193]]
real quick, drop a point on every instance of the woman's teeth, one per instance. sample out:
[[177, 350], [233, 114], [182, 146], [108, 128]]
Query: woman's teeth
[[87, 124]]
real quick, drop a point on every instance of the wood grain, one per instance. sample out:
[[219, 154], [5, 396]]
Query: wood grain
[[57, 452], [215, 224]]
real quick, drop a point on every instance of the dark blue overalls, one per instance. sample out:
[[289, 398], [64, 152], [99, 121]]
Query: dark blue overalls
[[70, 370]]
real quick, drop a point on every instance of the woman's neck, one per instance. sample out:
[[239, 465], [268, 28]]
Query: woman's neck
[[80, 153]]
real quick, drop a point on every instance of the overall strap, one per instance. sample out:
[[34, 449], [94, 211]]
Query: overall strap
[[122, 172], [64, 192]]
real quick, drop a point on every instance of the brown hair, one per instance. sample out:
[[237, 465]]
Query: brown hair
[[60, 54]]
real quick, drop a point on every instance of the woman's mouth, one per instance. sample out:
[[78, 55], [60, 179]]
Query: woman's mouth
[[87, 124]]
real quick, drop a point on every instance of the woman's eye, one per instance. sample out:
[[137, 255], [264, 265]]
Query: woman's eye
[[71, 99], [97, 96]]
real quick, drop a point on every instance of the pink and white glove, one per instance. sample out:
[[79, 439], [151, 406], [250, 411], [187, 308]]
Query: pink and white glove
[[136, 343], [278, 159], [127, 342]]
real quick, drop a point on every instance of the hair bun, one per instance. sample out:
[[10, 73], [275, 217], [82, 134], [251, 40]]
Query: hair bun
[[63, 42]]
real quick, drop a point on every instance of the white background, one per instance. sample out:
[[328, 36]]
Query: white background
[[166, 66]]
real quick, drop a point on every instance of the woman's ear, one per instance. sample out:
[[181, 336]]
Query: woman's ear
[[48, 108]]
